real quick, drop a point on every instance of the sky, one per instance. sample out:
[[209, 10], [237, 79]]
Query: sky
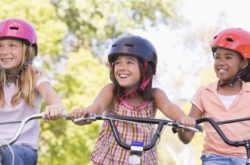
[[179, 65]]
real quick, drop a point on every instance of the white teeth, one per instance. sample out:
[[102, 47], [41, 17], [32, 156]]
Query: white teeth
[[221, 71], [123, 76], [6, 59]]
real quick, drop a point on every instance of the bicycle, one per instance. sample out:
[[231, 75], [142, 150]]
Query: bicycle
[[136, 147], [215, 125], [22, 123]]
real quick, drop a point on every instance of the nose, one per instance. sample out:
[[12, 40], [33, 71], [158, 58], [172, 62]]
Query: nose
[[122, 66], [220, 61]]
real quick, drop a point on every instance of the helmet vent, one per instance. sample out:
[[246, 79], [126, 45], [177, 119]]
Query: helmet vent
[[229, 39], [129, 45], [14, 28]]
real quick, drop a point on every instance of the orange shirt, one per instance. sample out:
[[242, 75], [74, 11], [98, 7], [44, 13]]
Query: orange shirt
[[207, 100]]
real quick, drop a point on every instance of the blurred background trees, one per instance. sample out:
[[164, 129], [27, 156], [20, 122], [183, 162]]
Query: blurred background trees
[[74, 37]]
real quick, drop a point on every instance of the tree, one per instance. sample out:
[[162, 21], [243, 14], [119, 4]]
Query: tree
[[71, 33]]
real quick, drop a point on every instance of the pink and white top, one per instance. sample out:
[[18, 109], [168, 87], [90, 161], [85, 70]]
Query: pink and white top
[[30, 133], [108, 152]]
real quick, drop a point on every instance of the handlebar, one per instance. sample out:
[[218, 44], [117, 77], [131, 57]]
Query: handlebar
[[160, 122], [215, 125], [20, 128], [23, 123]]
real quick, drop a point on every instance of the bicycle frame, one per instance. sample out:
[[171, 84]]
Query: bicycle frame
[[215, 125], [136, 148]]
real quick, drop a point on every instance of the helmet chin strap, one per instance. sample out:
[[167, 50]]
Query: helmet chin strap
[[229, 82], [11, 77], [233, 80]]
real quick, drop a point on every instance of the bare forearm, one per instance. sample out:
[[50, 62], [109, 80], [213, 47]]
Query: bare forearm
[[51, 97], [174, 112]]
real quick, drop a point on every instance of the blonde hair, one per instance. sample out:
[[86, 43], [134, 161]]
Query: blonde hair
[[25, 81]]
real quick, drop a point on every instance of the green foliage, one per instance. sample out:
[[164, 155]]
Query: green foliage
[[83, 78], [102, 19], [80, 78], [50, 30], [67, 143]]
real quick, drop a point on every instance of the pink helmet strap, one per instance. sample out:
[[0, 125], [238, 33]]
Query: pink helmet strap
[[146, 80], [145, 83]]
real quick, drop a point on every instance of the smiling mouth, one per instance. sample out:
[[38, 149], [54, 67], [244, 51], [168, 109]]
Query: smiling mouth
[[221, 71], [6, 59], [123, 76]]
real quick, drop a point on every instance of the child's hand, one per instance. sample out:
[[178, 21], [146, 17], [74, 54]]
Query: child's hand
[[53, 112], [187, 121], [78, 113]]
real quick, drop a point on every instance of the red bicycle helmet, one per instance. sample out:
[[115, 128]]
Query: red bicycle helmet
[[235, 39], [18, 29]]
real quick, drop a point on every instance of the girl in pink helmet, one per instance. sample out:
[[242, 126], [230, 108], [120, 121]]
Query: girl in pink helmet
[[133, 61], [22, 87], [225, 99]]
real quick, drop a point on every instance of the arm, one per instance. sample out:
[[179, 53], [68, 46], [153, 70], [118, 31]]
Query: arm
[[103, 100], [172, 111], [54, 108], [184, 135], [167, 107], [48, 94]]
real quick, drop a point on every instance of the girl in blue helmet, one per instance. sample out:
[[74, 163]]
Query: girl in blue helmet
[[133, 61]]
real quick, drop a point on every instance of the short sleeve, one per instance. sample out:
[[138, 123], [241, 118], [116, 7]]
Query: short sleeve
[[41, 77], [197, 100]]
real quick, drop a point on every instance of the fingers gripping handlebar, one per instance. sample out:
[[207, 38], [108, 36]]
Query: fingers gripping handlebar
[[160, 122], [110, 118]]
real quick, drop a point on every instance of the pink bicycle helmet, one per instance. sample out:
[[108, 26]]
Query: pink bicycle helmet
[[18, 29]]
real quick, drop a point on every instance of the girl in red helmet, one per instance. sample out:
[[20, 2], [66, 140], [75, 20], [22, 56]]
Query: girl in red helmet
[[133, 62], [22, 87], [227, 98]]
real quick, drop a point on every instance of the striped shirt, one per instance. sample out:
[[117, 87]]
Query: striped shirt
[[108, 152]]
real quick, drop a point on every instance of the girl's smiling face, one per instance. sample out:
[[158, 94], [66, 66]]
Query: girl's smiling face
[[227, 64], [127, 72], [10, 54]]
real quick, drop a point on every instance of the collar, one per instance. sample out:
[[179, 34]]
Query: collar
[[213, 86]]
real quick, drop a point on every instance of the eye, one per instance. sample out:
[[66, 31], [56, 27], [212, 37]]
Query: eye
[[117, 62], [228, 57], [216, 56]]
